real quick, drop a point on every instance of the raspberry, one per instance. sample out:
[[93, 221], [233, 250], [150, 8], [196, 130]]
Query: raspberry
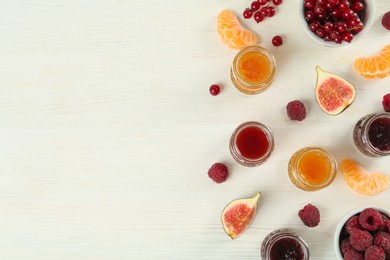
[[218, 172], [370, 219], [386, 99], [296, 110], [310, 215], [352, 224], [388, 226], [353, 255], [374, 253], [382, 239], [386, 20], [360, 239], [345, 246]]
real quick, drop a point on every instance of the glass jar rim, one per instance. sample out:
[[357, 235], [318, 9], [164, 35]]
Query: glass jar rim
[[262, 50], [302, 152]]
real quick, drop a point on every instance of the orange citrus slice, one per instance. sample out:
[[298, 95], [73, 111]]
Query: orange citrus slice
[[232, 33], [362, 181], [377, 66]]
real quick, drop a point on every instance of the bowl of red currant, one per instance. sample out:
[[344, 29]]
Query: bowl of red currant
[[336, 22]]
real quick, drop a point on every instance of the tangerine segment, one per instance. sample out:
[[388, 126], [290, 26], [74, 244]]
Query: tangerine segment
[[362, 181], [232, 33], [377, 66]]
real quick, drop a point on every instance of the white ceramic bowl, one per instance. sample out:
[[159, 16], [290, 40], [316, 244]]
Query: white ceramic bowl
[[367, 21], [336, 240]]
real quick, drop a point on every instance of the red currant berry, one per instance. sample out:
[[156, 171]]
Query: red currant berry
[[323, 17], [320, 32], [247, 14], [255, 6], [335, 13], [334, 2], [348, 14], [357, 7], [310, 16], [328, 26], [271, 11], [313, 26], [258, 17], [327, 38], [338, 39], [343, 5], [277, 2], [322, 2], [263, 2], [277, 40], [319, 9], [214, 89], [264, 11], [334, 34], [309, 4], [341, 27], [347, 36]]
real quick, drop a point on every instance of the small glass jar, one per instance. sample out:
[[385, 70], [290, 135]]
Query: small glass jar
[[257, 59], [312, 168], [371, 135], [284, 244], [251, 144]]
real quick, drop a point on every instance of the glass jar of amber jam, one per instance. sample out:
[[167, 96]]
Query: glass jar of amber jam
[[284, 244], [253, 70], [371, 135], [312, 168], [251, 144]]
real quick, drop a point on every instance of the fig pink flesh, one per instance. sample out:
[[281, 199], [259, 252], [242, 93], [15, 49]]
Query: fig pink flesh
[[334, 93], [238, 218]]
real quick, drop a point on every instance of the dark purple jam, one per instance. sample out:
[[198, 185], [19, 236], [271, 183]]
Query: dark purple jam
[[379, 134], [286, 249]]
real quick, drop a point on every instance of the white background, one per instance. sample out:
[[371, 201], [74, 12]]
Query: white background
[[107, 130]]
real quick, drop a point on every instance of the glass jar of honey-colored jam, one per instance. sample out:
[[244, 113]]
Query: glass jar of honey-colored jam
[[371, 135], [312, 168], [253, 70]]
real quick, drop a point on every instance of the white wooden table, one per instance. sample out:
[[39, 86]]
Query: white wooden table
[[108, 130]]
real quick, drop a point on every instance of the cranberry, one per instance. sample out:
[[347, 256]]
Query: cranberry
[[255, 6], [277, 40], [258, 17], [247, 13], [214, 89]]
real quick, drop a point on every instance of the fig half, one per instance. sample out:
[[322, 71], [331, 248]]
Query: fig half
[[333, 93], [238, 215]]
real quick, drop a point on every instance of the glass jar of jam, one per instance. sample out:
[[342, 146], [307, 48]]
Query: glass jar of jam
[[371, 135], [253, 70], [312, 168], [284, 244], [251, 144]]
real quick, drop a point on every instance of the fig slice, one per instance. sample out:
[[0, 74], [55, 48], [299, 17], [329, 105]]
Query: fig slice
[[333, 93], [238, 215]]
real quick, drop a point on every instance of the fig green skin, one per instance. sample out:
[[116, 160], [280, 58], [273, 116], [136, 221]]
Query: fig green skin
[[250, 202], [322, 76]]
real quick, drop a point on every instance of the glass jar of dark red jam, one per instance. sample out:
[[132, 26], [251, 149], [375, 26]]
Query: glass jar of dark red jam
[[371, 135], [251, 144], [284, 244]]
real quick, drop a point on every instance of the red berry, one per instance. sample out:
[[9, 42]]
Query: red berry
[[214, 89], [386, 20], [258, 17], [309, 15], [370, 219], [347, 36], [255, 6], [343, 5], [310, 215], [309, 4], [360, 239], [348, 14], [357, 7], [296, 110], [341, 27], [247, 13], [263, 2], [374, 253], [345, 245], [218, 172], [328, 26], [277, 40], [386, 105], [382, 239], [334, 2], [264, 11], [352, 223], [353, 255], [313, 26], [277, 2], [271, 11], [320, 32]]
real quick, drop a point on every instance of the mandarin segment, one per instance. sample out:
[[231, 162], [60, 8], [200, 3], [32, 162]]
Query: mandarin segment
[[232, 33], [362, 181], [377, 66]]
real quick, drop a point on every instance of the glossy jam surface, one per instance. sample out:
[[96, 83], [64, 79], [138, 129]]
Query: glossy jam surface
[[254, 67], [314, 168], [286, 249], [252, 142], [379, 134]]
